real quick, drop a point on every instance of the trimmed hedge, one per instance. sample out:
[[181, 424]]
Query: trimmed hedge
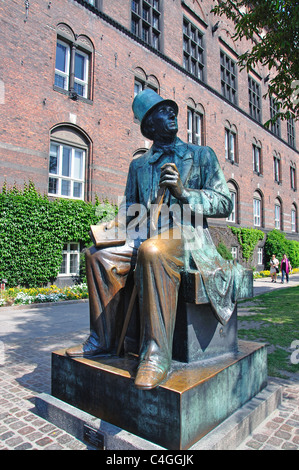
[[33, 230]]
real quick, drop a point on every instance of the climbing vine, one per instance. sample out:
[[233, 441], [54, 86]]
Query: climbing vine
[[34, 228], [247, 238]]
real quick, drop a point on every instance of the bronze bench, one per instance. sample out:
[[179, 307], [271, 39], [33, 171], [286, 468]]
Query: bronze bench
[[198, 334]]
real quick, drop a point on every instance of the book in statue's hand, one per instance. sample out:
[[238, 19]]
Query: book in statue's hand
[[103, 236]]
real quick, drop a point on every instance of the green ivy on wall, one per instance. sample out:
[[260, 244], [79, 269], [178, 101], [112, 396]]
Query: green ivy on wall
[[33, 230], [247, 238]]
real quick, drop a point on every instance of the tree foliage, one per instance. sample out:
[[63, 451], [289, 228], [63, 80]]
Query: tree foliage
[[272, 26], [33, 230], [277, 244]]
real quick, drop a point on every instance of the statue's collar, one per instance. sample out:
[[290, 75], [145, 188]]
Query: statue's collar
[[177, 147]]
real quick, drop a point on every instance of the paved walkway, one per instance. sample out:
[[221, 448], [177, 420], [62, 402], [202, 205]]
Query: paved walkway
[[27, 337]]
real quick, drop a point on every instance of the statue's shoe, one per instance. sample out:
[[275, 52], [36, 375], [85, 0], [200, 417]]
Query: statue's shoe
[[150, 375], [89, 348]]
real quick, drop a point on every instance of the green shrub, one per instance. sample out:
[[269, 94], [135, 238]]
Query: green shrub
[[292, 251], [33, 230], [224, 251], [277, 244]]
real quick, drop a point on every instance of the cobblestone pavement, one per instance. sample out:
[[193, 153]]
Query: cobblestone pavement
[[281, 430], [27, 337], [24, 375]]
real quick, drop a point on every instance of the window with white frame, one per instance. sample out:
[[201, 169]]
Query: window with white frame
[[232, 216], [260, 256], [233, 191], [62, 65], [230, 145], [70, 260], [277, 168], [143, 81], [138, 87], [294, 218], [234, 252], [257, 209], [293, 176], [257, 212], [256, 158], [194, 127], [277, 214], [76, 81], [73, 63], [81, 73], [66, 171]]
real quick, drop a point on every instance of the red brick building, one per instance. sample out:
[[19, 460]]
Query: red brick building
[[70, 69]]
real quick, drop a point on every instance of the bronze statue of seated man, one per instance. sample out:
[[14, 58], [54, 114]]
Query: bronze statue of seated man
[[190, 178]]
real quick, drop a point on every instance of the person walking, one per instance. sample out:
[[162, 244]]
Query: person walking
[[285, 268], [274, 263]]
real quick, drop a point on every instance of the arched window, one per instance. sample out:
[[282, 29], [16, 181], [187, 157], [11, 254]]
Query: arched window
[[69, 153], [278, 222], [231, 147], [143, 81], [195, 123], [234, 194], [257, 209], [74, 56], [277, 167], [257, 157], [293, 176], [294, 218]]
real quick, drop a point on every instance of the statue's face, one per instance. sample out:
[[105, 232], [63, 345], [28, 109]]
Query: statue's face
[[164, 121]]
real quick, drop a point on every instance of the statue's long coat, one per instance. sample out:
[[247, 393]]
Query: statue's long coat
[[208, 196]]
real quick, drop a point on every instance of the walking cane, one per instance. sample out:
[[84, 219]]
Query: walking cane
[[154, 222]]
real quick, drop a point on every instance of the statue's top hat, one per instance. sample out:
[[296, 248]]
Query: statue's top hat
[[145, 102]]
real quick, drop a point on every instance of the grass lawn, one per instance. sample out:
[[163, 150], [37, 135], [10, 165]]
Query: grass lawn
[[276, 323]]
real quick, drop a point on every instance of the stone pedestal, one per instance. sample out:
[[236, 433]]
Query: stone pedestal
[[194, 399]]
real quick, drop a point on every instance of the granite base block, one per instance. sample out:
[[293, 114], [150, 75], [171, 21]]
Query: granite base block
[[194, 399]]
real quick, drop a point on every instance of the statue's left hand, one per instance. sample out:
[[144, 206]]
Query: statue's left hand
[[170, 177]]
